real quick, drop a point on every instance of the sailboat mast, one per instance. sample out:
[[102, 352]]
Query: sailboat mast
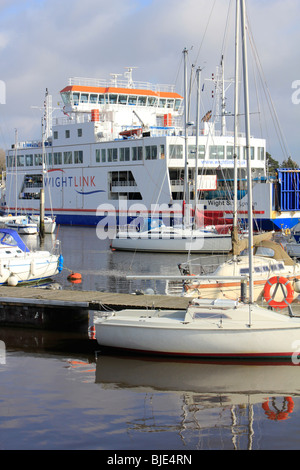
[[42, 191], [197, 138], [186, 177], [16, 170], [235, 249], [236, 110], [248, 153]]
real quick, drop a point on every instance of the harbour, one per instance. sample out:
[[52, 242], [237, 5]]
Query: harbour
[[59, 390]]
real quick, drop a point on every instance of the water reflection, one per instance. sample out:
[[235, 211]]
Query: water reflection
[[234, 399], [81, 397], [101, 268]]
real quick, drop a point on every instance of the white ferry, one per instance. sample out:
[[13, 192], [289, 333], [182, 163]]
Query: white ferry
[[119, 150]]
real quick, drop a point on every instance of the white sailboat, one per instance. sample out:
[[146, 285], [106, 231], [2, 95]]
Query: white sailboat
[[18, 264], [20, 223], [270, 260], [184, 238], [218, 328]]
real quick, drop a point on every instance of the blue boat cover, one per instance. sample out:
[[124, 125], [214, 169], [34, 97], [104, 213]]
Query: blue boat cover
[[10, 237]]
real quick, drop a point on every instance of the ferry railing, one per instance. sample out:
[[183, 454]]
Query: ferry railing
[[123, 183], [94, 82]]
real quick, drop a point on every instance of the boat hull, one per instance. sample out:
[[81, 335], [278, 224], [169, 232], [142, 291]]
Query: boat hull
[[206, 244], [29, 268], [206, 339], [232, 290]]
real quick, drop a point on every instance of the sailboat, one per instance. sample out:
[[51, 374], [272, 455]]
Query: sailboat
[[270, 260], [46, 224], [208, 328], [184, 238], [20, 223]]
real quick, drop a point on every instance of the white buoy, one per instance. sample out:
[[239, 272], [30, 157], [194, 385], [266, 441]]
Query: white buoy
[[12, 280]]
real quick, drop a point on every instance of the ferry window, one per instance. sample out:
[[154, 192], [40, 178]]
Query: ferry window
[[229, 152], [76, 98], [162, 103], [170, 103], [67, 157], [244, 153], [152, 101], [67, 134], [132, 100], [57, 158], [177, 104], [78, 156], [162, 151], [112, 155], [124, 154], [10, 161], [97, 155], [113, 99], [29, 160], [137, 153], [55, 135], [142, 101], [216, 152], [49, 159], [79, 132], [102, 99], [84, 98], [38, 159], [66, 97], [20, 160], [123, 99], [93, 98], [176, 151], [201, 152], [103, 155], [192, 151], [151, 152], [260, 153]]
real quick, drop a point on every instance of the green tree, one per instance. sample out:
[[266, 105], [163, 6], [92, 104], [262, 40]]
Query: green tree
[[272, 164], [289, 163]]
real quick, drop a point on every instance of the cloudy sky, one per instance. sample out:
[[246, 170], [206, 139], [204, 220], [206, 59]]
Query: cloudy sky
[[44, 42]]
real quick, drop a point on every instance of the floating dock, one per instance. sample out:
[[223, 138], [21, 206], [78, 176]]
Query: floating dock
[[68, 309], [61, 310]]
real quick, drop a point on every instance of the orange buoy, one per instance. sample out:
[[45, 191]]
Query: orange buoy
[[74, 277], [267, 292]]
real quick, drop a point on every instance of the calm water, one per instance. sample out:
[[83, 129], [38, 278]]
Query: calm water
[[57, 391]]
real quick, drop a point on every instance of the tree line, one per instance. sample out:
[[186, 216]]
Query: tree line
[[273, 164]]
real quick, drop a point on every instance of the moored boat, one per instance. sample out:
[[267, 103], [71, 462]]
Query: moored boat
[[18, 264], [269, 260]]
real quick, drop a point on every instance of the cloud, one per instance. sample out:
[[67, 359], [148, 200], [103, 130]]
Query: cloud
[[43, 43]]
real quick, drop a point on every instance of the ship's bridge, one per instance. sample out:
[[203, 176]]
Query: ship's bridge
[[83, 95]]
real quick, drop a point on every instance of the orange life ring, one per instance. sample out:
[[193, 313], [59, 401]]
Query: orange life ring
[[279, 415], [267, 292]]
